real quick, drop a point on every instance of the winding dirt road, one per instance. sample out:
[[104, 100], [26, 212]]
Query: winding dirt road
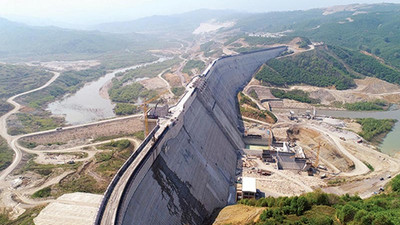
[[11, 140]]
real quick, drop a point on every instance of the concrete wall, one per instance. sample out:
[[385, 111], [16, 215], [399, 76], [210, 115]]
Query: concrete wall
[[188, 170], [122, 126]]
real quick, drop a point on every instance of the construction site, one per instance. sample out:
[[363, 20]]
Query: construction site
[[200, 153], [203, 155]]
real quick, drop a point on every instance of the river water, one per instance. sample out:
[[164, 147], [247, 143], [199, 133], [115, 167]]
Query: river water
[[390, 144], [87, 105]]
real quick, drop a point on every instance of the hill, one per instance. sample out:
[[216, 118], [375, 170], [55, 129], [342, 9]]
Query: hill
[[184, 23], [20, 41], [324, 67], [371, 28]]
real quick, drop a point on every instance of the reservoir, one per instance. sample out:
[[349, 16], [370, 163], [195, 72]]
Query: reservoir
[[390, 144], [87, 105]]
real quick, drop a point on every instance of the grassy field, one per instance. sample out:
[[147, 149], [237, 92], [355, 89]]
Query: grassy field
[[6, 154], [44, 169], [196, 65], [5, 107], [91, 177], [33, 122], [16, 79]]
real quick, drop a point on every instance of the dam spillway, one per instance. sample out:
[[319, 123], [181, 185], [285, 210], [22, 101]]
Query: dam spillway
[[185, 168]]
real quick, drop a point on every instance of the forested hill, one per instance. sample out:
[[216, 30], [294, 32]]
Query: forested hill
[[20, 41], [325, 66], [372, 28]]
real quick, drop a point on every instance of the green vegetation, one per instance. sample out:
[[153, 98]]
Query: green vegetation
[[84, 183], [44, 169], [151, 70], [193, 64], [178, 91], [317, 68], [370, 167], [297, 95], [248, 108], [304, 43], [125, 109], [243, 99], [263, 115], [25, 219], [367, 65], [254, 41], [42, 193], [139, 135], [376, 32], [68, 82], [108, 162], [38, 119], [123, 90], [233, 39], [129, 93], [16, 79], [376, 105], [375, 129], [210, 48], [6, 154], [5, 107], [322, 208], [32, 123], [253, 94], [120, 145], [395, 184]]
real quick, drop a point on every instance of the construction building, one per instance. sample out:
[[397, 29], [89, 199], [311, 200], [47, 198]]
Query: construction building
[[248, 189]]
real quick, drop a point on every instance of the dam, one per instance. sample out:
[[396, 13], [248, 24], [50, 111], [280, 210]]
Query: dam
[[185, 168]]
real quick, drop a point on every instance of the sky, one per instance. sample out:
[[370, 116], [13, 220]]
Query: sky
[[87, 12]]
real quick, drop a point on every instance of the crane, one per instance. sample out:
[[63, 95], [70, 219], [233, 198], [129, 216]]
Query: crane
[[145, 107], [317, 158]]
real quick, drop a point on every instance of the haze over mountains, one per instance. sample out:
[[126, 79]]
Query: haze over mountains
[[20, 40]]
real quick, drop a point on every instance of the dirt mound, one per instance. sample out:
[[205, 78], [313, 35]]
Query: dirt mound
[[238, 214], [309, 139], [323, 95], [374, 85], [153, 83], [262, 92], [173, 79]]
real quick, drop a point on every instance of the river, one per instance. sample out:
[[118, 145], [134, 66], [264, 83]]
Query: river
[[87, 105], [390, 144]]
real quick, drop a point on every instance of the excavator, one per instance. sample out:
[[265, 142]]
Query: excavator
[[145, 107]]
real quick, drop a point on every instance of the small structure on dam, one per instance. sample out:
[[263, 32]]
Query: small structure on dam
[[185, 168]]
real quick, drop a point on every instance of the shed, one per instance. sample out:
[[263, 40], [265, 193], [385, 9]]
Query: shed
[[249, 187]]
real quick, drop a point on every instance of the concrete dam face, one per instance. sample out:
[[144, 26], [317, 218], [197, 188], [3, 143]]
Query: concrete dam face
[[185, 169]]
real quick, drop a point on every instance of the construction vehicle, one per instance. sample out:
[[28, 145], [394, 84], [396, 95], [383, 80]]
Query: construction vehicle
[[145, 107]]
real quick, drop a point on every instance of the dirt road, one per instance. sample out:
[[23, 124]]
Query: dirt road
[[3, 126], [359, 167]]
